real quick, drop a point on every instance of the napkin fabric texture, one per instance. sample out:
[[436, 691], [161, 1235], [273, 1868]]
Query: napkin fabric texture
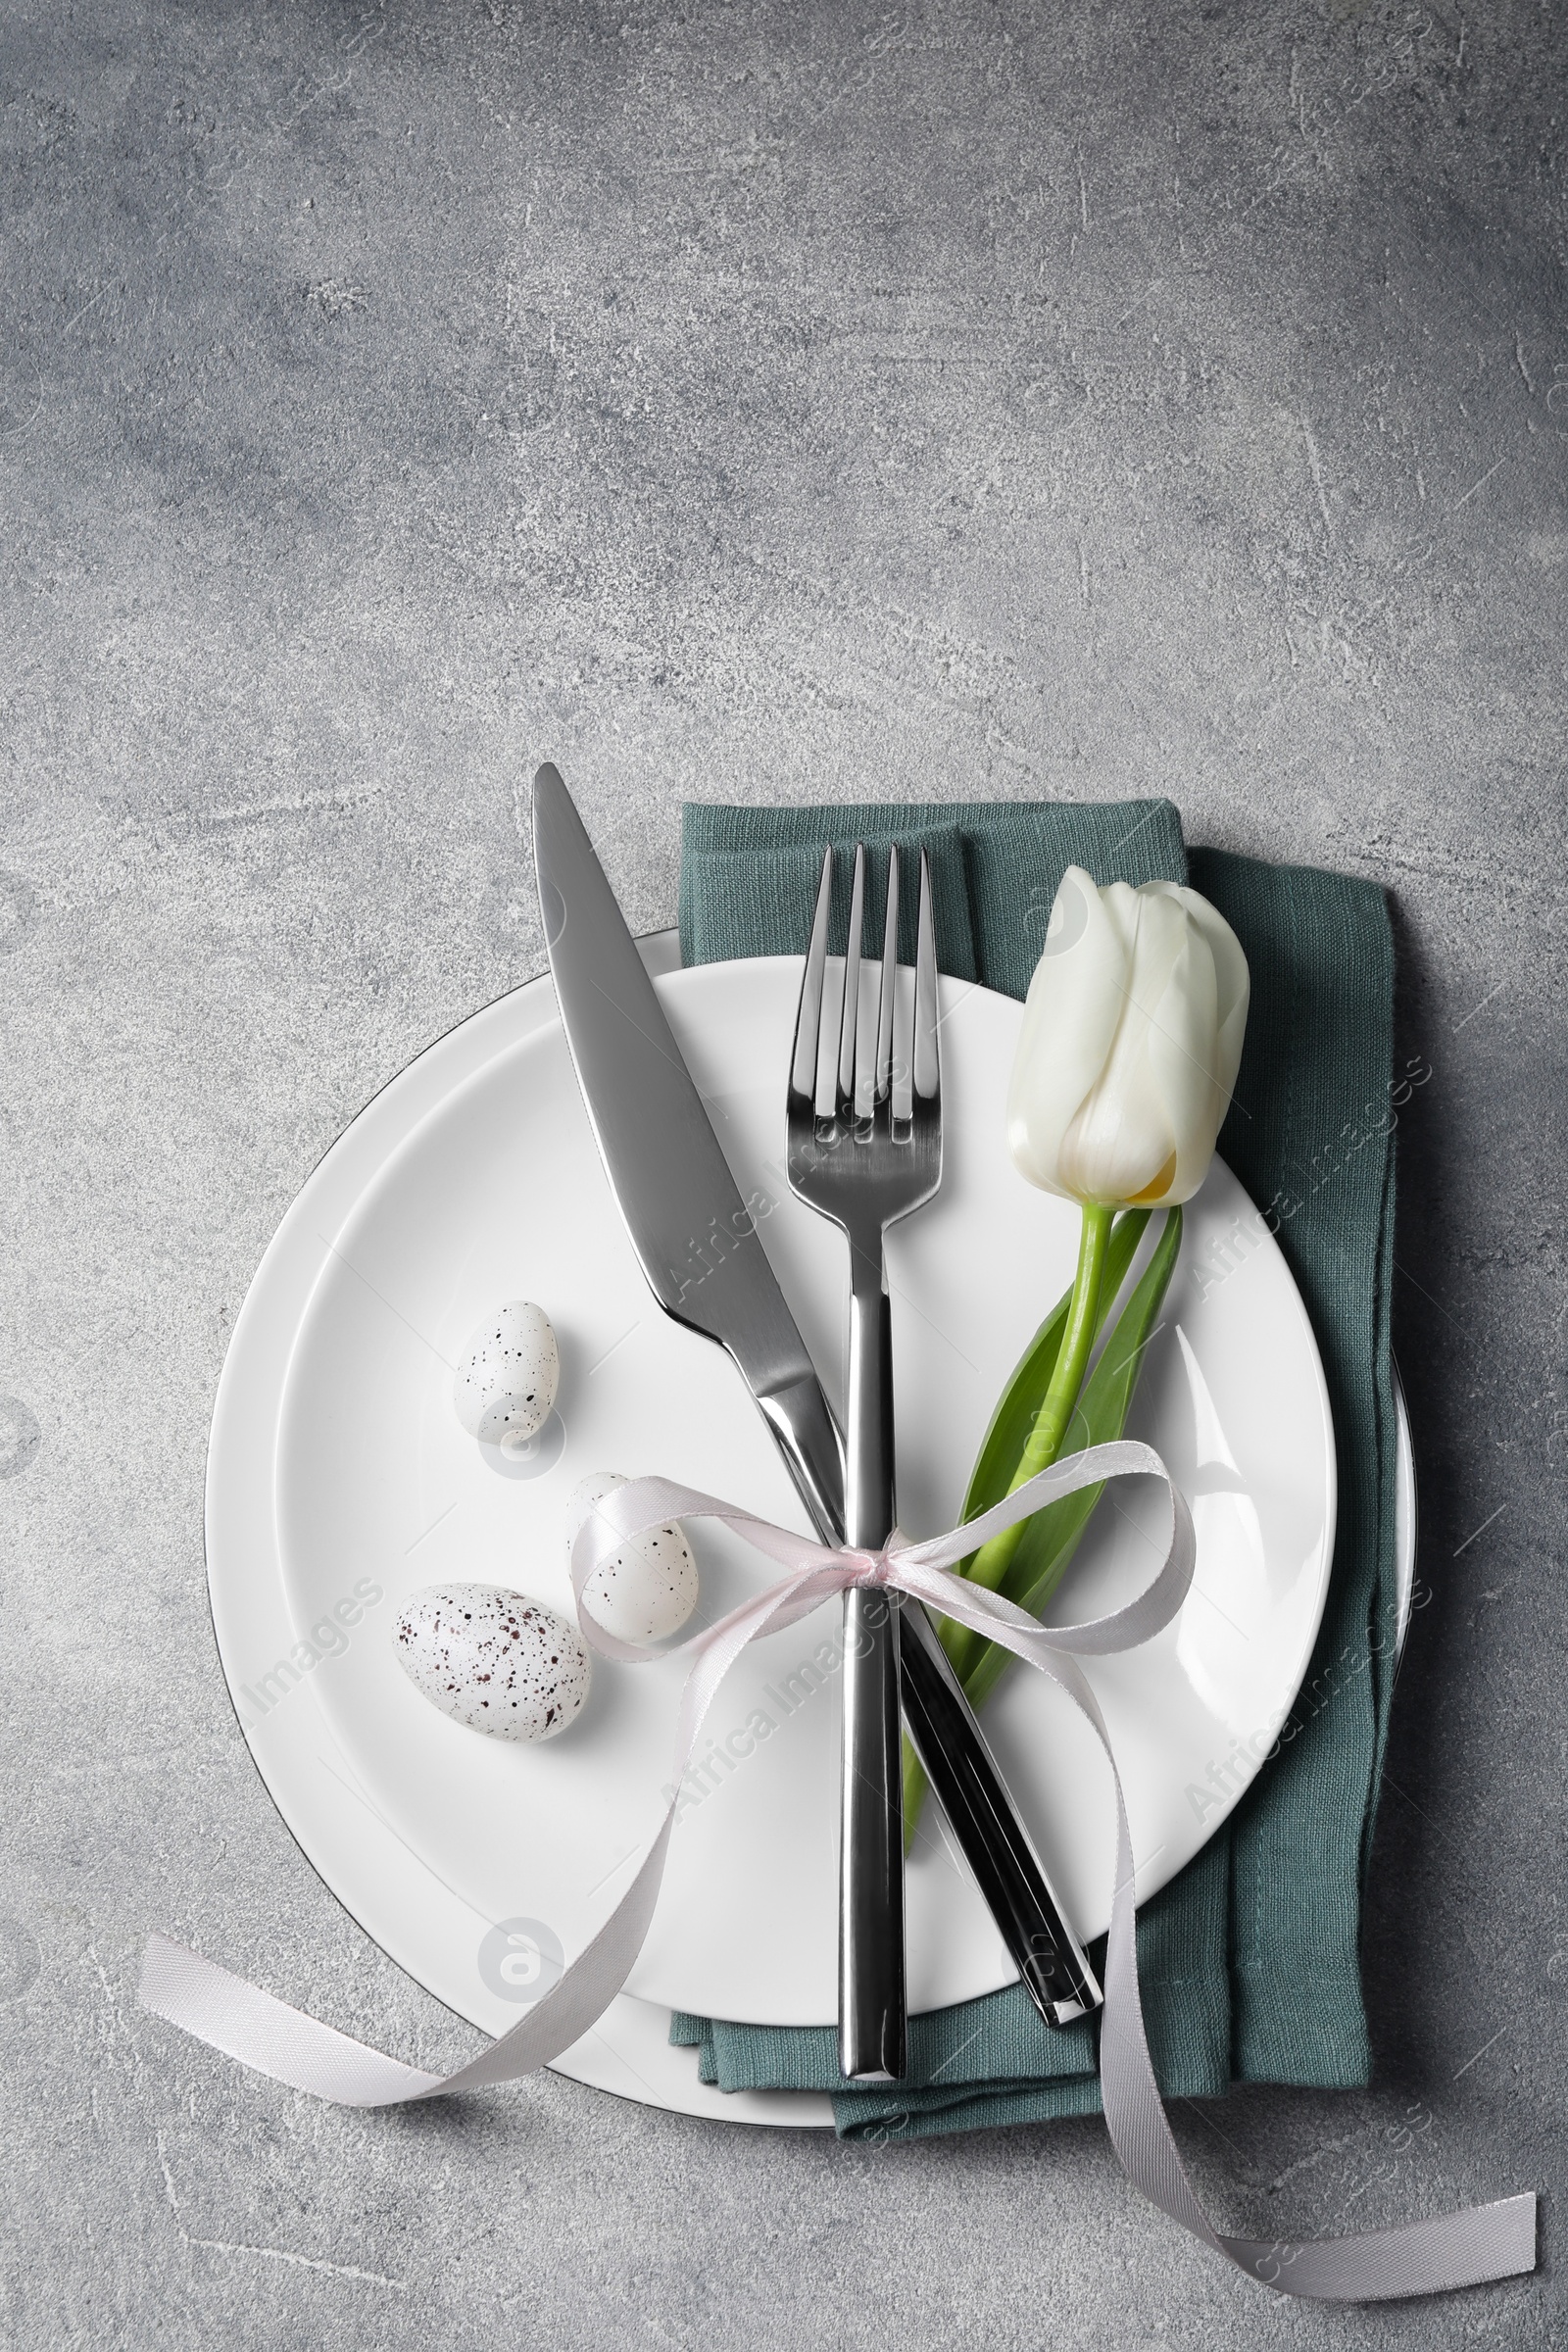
[[1248, 1960]]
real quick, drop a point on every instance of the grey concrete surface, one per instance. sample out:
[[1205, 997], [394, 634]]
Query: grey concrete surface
[[753, 401]]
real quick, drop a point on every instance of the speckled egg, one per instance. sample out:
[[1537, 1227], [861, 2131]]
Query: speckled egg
[[647, 1589], [494, 1660], [508, 1375]]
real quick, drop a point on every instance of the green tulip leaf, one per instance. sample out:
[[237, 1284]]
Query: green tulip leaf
[[1002, 1446], [1052, 1535]]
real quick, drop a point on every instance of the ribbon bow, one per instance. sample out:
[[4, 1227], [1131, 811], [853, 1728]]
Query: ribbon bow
[[1456, 2249]]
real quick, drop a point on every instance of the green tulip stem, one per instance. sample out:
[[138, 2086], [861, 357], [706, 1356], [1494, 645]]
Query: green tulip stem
[[1051, 1422]]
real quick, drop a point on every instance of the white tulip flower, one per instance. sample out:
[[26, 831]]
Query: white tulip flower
[[1126, 1061], [1131, 1041]]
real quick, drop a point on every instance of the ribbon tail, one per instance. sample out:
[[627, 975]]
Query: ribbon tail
[[1456, 2249], [266, 2034], [1468, 2248]]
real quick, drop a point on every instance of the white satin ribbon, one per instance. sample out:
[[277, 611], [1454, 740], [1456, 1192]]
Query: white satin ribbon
[[1456, 2249]]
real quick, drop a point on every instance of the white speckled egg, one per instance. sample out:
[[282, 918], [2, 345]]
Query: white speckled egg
[[647, 1589], [505, 1382], [494, 1660]]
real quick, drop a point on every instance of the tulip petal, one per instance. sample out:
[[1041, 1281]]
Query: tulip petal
[[1070, 1021], [1122, 1139], [1182, 1058], [1233, 982]]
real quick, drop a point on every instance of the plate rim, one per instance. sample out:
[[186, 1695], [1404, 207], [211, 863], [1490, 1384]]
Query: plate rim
[[660, 953]]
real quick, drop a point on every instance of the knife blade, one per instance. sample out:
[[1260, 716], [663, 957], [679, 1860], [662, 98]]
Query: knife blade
[[682, 1208]]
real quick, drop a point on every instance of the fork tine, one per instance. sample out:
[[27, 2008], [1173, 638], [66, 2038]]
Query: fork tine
[[882, 1084], [850, 1023], [928, 1059], [809, 1018]]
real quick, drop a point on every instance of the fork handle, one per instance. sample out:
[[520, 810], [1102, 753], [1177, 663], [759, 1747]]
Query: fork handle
[[868, 1470], [871, 1982]]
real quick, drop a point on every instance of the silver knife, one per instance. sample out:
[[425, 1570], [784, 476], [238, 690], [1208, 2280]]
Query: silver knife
[[675, 1191]]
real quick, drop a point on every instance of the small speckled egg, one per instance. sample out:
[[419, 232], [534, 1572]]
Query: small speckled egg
[[506, 1379], [494, 1660], [647, 1589]]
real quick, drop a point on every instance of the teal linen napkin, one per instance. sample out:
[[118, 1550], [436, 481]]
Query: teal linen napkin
[[1248, 1960]]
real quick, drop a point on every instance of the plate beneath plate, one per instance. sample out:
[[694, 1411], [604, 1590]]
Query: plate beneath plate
[[336, 1463]]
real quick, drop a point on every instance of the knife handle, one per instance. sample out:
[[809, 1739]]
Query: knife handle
[[963, 1773]]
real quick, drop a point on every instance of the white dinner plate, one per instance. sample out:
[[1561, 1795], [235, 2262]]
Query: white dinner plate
[[339, 1482]]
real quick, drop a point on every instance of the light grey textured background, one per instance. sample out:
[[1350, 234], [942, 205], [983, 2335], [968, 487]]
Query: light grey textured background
[[738, 401]]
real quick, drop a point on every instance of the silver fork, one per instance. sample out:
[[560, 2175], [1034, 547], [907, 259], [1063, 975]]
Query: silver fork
[[868, 1161]]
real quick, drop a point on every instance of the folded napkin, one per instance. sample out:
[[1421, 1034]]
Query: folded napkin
[[1248, 1960]]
